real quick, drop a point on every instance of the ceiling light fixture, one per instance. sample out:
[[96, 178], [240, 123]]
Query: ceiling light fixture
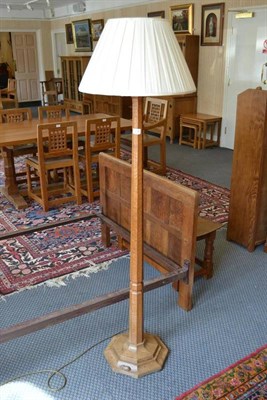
[[8, 7], [48, 3], [29, 6]]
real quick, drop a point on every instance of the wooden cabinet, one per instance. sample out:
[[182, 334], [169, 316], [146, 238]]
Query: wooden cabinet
[[190, 48], [72, 71], [248, 197], [183, 104]]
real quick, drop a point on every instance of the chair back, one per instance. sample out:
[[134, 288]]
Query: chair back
[[49, 81], [155, 110], [56, 140], [103, 134], [15, 115], [53, 113], [11, 85]]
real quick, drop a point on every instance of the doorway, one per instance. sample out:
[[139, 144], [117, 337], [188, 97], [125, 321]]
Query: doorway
[[26, 60], [245, 58]]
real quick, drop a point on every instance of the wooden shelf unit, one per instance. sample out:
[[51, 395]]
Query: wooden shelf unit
[[73, 68], [247, 223]]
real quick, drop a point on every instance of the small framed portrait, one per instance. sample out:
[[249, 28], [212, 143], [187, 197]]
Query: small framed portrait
[[182, 18], [212, 24], [97, 28], [69, 33], [82, 35], [156, 14]]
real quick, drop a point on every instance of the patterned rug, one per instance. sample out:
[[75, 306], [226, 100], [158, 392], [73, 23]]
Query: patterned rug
[[74, 249], [244, 380]]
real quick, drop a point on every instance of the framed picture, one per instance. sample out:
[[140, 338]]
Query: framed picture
[[97, 27], [156, 14], [182, 18], [212, 24], [82, 35], [69, 33]]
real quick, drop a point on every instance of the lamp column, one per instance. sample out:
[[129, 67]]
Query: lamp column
[[136, 353]]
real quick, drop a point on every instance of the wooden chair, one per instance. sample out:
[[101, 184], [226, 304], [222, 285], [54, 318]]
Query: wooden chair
[[53, 113], [101, 135], [8, 95], [51, 89], [57, 149], [18, 115], [154, 133]]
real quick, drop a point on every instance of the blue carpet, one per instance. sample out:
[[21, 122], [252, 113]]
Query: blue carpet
[[227, 323]]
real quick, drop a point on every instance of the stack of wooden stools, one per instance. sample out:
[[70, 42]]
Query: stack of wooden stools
[[200, 130]]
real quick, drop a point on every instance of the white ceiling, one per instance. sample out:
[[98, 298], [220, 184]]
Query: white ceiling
[[59, 8]]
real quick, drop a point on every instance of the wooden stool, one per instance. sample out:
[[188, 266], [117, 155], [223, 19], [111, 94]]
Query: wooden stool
[[188, 138], [206, 229], [207, 124]]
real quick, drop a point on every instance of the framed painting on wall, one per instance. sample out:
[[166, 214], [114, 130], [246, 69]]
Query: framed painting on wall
[[156, 14], [82, 33], [97, 27], [182, 18], [212, 24]]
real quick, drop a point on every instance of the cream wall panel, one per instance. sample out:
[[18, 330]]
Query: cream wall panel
[[211, 58]]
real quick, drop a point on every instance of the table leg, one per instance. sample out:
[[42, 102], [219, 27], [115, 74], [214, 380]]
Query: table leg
[[10, 190], [219, 127], [204, 135]]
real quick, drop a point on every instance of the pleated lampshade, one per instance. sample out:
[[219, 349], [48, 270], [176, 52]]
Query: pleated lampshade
[[137, 57]]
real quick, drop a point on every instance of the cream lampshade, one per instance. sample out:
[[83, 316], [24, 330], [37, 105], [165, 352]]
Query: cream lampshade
[[137, 57]]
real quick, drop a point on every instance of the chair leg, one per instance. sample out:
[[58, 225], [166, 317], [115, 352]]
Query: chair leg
[[77, 183], [163, 156], [44, 192], [89, 181]]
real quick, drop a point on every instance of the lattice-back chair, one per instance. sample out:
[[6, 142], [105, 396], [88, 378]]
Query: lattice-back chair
[[53, 113], [57, 150], [52, 88], [8, 95], [101, 135], [14, 115], [154, 133], [17, 116]]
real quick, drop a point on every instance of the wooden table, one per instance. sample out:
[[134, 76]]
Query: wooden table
[[13, 134], [202, 122]]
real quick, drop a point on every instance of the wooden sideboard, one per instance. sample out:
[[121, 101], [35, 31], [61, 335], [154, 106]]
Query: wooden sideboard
[[113, 105], [248, 199]]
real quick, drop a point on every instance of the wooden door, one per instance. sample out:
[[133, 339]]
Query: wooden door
[[27, 74]]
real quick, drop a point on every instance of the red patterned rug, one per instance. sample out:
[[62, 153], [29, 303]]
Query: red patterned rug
[[244, 380], [74, 248]]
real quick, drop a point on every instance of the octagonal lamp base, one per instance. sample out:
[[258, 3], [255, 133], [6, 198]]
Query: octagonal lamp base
[[136, 360]]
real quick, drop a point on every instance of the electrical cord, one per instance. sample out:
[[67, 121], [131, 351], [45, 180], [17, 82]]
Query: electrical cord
[[58, 371]]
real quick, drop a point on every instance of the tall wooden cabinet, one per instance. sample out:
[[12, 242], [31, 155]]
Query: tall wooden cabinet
[[184, 104], [190, 47], [248, 197], [72, 71]]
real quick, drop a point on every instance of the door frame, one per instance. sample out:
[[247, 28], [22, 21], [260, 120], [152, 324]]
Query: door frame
[[54, 49], [228, 55]]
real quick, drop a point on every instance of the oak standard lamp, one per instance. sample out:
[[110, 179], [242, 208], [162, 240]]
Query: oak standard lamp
[[137, 57]]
